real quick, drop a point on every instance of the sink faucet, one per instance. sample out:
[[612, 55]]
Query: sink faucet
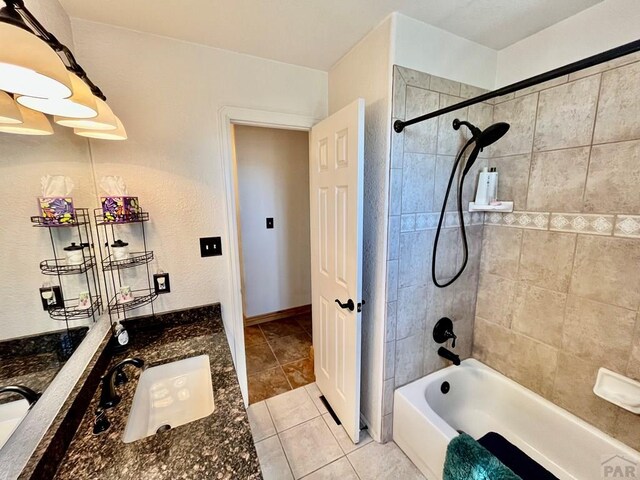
[[28, 394], [449, 355], [109, 397]]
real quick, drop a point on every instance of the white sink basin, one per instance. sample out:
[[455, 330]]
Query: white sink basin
[[170, 395], [11, 414]]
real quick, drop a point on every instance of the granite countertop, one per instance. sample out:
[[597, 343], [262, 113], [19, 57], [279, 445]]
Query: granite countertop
[[219, 446]]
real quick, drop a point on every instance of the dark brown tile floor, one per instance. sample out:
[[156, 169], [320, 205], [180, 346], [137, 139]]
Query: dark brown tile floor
[[278, 357]]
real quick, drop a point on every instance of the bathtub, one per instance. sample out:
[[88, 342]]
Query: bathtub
[[481, 400]]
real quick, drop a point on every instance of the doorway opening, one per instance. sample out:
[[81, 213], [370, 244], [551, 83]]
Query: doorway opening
[[272, 209]]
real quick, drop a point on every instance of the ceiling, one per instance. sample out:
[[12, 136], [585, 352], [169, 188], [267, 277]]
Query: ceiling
[[316, 33]]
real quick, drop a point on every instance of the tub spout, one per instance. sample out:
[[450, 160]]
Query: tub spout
[[449, 355]]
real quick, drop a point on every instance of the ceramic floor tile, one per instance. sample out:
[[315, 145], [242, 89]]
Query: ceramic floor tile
[[377, 461], [273, 463], [267, 384], [281, 328], [315, 394], [309, 447], [340, 469], [253, 336], [260, 358], [343, 439], [291, 348], [291, 409], [260, 420], [305, 322], [299, 373]]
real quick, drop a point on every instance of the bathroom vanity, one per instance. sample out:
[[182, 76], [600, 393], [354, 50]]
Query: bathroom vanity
[[219, 445]]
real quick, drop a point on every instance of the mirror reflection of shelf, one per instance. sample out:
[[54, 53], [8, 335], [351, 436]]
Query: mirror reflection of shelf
[[140, 298], [59, 266], [134, 259], [71, 310]]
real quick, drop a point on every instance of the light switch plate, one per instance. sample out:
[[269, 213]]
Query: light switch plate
[[210, 246]]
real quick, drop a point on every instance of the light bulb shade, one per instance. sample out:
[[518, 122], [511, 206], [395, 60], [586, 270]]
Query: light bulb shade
[[105, 120], [82, 104], [28, 66], [9, 112], [33, 123], [118, 134]]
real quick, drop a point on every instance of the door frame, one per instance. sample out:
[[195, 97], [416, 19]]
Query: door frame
[[229, 116]]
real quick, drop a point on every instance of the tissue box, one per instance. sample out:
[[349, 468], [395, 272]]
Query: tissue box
[[57, 210], [120, 209]]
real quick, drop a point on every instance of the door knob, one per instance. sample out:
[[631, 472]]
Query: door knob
[[349, 305]]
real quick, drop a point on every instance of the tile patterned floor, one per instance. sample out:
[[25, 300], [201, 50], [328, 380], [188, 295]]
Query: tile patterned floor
[[297, 438], [278, 357]]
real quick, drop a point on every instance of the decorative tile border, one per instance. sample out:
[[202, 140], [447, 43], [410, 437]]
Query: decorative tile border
[[429, 221], [531, 220], [627, 226], [593, 224]]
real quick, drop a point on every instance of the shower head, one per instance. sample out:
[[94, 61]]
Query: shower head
[[482, 138]]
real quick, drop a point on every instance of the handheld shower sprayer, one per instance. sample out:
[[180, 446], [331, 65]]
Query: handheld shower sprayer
[[482, 139]]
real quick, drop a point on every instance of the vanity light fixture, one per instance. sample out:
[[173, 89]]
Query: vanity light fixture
[[33, 123], [105, 120], [118, 134], [9, 112], [82, 104]]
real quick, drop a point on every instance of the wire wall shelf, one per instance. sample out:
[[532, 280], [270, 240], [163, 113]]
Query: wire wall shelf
[[71, 310], [134, 259], [59, 266], [140, 298]]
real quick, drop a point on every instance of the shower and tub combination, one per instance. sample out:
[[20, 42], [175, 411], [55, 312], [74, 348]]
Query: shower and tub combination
[[472, 398]]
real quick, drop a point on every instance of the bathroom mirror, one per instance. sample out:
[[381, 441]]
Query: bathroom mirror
[[33, 345]]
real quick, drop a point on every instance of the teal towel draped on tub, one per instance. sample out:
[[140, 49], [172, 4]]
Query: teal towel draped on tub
[[468, 460]]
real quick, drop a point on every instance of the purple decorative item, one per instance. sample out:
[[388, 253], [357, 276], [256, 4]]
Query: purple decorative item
[[57, 210], [120, 209]]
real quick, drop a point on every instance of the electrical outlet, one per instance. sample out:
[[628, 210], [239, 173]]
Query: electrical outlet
[[269, 222], [210, 246], [51, 297], [161, 283]]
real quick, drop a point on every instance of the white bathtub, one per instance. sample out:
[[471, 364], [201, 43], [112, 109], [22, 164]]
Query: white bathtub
[[481, 400]]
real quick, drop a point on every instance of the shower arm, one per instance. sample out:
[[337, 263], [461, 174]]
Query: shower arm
[[597, 59]]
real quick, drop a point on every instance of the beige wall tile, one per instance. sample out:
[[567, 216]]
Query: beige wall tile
[[501, 250], [421, 137], [573, 390], [533, 364], [443, 85], [444, 164], [633, 369], [606, 270], [558, 179], [399, 93], [449, 244], [513, 178], [547, 259], [618, 117], [469, 91], [495, 299], [539, 313], [450, 141], [418, 172], [411, 311], [566, 115], [409, 359], [598, 333], [415, 78], [614, 176], [492, 344], [520, 113], [626, 428], [618, 62], [543, 86], [415, 258]]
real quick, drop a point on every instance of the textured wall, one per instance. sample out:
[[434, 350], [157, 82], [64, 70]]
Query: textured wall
[[168, 94], [421, 161], [559, 289], [366, 72], [273, 181]]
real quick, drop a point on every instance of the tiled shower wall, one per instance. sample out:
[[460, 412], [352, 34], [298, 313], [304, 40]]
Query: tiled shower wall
[[559, 290], [421, 160]]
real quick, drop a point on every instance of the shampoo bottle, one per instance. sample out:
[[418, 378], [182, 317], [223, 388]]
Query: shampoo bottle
[[482, 194]]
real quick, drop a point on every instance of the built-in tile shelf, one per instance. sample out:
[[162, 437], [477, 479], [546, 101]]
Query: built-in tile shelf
[[586, 223], [618, 389]]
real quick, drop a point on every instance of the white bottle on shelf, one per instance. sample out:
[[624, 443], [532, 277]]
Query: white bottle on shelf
[[482, 194]]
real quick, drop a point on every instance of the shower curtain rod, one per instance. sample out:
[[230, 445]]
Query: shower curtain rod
[[617, 52]]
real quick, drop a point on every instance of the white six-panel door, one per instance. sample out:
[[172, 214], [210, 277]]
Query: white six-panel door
[[336, 187]]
